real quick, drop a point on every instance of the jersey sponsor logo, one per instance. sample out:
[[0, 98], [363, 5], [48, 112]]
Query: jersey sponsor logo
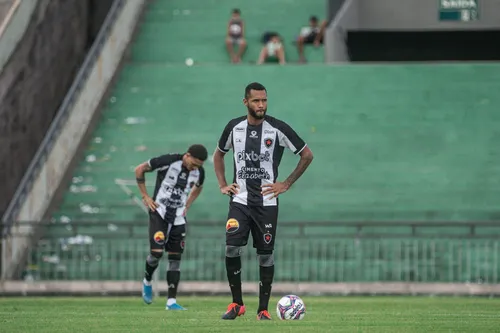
[[172, 203], [253, 156], [159, 238], [268, 132], [267, 238], [253, 173], [268, 226], [232, 225], [173, 190], [268, 142], [239, 129], [253, 135]]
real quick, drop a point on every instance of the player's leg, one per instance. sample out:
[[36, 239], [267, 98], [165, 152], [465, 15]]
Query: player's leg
[[237, 232], [174, 248], [262, 55], [263, 233], [230, 48], [156, 245], [280, 54], [241, 49], [300, 48]]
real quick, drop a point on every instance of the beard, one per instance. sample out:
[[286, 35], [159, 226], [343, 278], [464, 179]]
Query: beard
[[255, 115]]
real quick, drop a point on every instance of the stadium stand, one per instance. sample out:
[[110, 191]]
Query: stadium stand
[[392, 143]]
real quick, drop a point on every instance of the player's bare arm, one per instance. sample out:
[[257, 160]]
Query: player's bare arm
[[220, 173], [306, 157], [195, 192], [140, 177]]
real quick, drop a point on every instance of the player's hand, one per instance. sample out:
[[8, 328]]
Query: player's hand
[[316, 43], [149, 203], [230, 189], [275, 189]]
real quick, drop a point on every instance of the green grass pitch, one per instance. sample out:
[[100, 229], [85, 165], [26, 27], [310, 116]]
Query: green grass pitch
[[324, 314]]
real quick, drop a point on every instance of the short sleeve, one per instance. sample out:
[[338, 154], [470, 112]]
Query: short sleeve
[[162, 161], [201, 178], [225, 140], [288, 138]]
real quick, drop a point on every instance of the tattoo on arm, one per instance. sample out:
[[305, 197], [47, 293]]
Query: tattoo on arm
[[299, 170], [140, 171]]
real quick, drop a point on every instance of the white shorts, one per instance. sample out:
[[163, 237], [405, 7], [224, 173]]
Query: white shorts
[[235, 40]]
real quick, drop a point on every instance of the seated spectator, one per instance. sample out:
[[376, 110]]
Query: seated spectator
[[273, 49], [236, 36], [312, 34]]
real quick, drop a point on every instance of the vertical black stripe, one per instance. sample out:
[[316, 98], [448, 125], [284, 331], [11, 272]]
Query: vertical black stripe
[[277, 155], [160, 175], [251, 156]]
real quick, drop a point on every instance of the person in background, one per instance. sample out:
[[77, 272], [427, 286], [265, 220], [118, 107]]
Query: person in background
[[312, 34], [273, 49], [236, 36]]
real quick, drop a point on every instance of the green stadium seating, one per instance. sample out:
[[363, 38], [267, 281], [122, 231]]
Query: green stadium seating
[[391, 143]]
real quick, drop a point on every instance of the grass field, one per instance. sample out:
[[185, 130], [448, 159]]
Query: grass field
[[324, 314]]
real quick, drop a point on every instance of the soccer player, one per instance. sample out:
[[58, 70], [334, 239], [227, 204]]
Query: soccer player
[[258, 141], [179, 182]]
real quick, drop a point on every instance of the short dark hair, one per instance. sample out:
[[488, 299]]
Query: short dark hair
[[313, 19], [198, 151], [254, 86], [236, 11]]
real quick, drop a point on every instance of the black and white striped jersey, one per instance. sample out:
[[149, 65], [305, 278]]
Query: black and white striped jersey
[[174, 182], [257, 152]]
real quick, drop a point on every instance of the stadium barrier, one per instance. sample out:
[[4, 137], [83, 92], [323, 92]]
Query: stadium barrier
[[106, 258], [13, 26], [44, 175]]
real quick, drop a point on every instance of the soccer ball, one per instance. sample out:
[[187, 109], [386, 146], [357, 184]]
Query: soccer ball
[[291, 307]]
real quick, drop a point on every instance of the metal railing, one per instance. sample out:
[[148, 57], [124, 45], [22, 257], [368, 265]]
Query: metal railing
[[312, 229], [364, 252]]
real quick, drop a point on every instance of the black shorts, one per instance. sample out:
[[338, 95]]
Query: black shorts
[[260, 220], [164, 235], [309, 39]]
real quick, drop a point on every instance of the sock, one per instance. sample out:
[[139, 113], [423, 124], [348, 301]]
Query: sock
[[151, 265], [146, 282], [265, 285], [173, 278], [171, 301], [233, 269]]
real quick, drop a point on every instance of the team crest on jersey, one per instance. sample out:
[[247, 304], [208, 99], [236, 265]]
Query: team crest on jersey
[[159, 238], [268, 142], [267, 238], [232, 225]]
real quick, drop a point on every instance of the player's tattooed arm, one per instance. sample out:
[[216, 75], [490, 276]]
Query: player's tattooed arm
[[306, 157], [140, 172]]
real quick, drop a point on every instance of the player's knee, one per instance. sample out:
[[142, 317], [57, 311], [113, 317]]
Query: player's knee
[[174, 261], [233, 251], [266, 260], [154, 257]]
